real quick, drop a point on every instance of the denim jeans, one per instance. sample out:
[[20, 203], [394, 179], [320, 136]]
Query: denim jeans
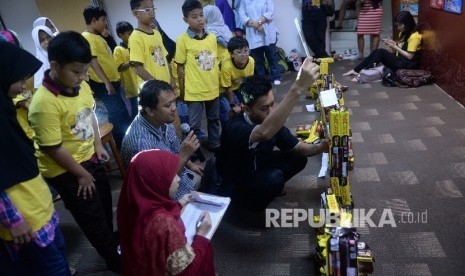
[[117, 112], [134, 107], [212, 109], [225, 107], [259, 54], [35, 260]]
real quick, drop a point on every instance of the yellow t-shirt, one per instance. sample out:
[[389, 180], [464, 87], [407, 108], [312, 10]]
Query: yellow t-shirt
[[414, 42], [223, 53], [99, 49], [149, 50], [231, 76], [33, 200], [64, 120], [21, 113], [128, 76], [199, 57]]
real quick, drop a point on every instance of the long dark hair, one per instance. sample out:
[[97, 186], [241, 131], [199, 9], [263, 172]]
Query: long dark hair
[[406, 18], [376, 3]]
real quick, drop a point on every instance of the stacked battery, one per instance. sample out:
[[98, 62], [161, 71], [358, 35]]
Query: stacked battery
[[339, 251]]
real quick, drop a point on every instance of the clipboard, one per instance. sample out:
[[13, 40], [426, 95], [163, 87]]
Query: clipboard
[[216, 207]]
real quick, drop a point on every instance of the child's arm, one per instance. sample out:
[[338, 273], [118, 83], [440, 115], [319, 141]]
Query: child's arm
[[230, 94], [102, 154], [66, 160], [181, 82], [101, 74], [141, 72]]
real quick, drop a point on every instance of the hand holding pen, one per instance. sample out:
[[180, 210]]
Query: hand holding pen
[[203, 224]]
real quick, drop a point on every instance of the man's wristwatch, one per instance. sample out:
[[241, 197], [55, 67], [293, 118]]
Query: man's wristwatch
[[260, 22]]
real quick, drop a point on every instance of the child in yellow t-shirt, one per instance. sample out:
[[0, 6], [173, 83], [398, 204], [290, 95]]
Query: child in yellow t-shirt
[[147, 51], [198, 74], [29, 227], [103, 74], [70, 152], [125, 67], [233, 72]]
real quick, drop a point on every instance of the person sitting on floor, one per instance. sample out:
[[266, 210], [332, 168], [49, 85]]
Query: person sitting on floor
[[153, 129], [247, 160], [152, 234], [404, 54]]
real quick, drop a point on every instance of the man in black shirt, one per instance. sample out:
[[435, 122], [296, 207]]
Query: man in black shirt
[[247, 160]]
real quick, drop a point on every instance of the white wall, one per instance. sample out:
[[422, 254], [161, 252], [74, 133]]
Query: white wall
[[18, 15]]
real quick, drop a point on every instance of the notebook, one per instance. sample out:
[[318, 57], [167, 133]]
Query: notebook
[[216, 207]]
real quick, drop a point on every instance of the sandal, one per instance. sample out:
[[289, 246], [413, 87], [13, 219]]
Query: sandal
[[356, 78]]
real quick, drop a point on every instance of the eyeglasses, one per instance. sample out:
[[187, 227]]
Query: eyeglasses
[[147, 10], [241, 53]]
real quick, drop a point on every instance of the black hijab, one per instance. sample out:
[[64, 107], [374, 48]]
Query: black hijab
[[17, 160]]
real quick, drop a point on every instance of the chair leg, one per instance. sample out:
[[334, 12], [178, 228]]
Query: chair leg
[[117, 156]]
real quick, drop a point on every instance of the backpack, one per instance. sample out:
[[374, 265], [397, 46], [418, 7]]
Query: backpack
[[374, 74], [282, 60], [414, 78]]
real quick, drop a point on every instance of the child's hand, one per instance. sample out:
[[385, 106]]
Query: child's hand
[[102, 153], [110, 88], [86, 185], [22, 233]]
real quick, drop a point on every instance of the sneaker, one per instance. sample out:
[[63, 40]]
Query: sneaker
[[277, 82], [356, 57]]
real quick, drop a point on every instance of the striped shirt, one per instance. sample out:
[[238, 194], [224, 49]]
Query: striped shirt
[[141, 135], [10, 217]]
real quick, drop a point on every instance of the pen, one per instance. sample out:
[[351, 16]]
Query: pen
[[200, 222]]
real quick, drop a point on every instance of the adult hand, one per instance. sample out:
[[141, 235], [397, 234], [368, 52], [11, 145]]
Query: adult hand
[[205, 224], [110, 88], [185, 199], [102, 153], [196, 168], [308, 73], [260, 28], [86, 185], [22, 233], [189, 145], [324, 145]]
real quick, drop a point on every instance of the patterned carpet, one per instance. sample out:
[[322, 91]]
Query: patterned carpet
[[409, 160]]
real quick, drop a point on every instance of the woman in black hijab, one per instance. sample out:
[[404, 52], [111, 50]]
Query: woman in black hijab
[[30, 240]]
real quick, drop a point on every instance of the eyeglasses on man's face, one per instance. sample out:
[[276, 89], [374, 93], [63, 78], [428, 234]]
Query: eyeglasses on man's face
[[241, 53], [147, 10]]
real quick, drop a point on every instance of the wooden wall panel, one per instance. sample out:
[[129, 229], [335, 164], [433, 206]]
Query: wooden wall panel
[[65, 14], [444, 52]]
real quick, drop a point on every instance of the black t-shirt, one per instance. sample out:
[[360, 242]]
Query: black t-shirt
[[237, 159]]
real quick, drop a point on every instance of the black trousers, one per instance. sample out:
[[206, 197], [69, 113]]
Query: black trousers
[[315, 36], [260, 188], [93, 215]]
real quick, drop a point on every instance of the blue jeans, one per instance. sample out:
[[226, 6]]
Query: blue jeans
[[134, 107], [117, 112], [259, 54], [212, 109], [35, 260], [225, 107]]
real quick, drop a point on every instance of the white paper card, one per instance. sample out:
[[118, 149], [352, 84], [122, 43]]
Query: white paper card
[[324, 164], [328, 98], [310, 107]]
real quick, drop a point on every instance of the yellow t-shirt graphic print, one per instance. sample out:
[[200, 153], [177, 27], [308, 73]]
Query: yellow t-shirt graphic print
[[205, 60]]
